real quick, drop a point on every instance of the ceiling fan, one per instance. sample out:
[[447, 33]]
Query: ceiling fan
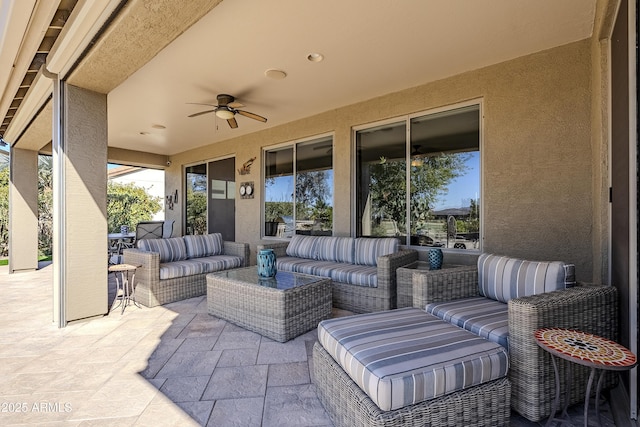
[[226, 109]]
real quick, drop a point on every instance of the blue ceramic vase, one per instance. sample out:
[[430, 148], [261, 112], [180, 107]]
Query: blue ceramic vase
[[267, 263], [435, 258]]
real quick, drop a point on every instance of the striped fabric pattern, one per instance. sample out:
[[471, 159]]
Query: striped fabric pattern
[[360, 275], [303, 246], [170, 250], [368, 250], [339, 249], [482, 316], [502, 278], [189, 267], [220, 262], [406, 356], [201, 245]]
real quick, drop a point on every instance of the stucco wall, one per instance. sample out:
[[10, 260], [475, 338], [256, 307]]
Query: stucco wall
[[537, 198]]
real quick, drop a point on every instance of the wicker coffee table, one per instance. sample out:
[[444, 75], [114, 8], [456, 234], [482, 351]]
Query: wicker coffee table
[[280, 308]]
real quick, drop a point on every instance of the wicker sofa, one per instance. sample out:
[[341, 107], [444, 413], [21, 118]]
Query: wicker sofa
[[505, 300], [362, 270], [176, 268]]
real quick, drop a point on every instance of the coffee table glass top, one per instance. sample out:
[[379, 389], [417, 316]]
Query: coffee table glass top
[[585, 348], [283, 280]]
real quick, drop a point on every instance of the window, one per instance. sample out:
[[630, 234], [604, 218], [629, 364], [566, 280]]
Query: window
[[419, 179], [298, 189], [196, 200]]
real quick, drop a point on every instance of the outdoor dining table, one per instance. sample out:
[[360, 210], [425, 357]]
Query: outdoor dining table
[[119, 239]]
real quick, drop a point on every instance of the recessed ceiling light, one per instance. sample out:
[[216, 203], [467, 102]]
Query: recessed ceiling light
[[315, 57], [144, 133], [158, 126], [272, 73]]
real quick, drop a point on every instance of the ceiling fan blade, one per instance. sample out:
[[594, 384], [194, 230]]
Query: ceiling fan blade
[[235, 104], [201, 113], [252, 116], [232, 123], [201, 103]]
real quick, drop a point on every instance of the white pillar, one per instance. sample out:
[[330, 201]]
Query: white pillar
[[23, 210], [80, 203]]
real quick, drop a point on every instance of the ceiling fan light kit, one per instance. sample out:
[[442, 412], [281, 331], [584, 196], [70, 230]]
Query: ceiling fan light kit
[[224, 113]]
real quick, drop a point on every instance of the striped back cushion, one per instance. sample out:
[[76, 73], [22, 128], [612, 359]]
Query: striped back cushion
[[201, 245], [368, 250], [169, 249], [502, 278], [338, 249], [303, 246]]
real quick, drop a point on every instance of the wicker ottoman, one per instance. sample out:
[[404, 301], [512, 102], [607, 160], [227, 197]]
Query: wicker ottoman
[[280, 308], [407, 368]]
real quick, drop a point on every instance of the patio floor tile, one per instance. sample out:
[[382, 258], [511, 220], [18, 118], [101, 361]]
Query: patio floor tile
[[245, 412], [238, 381]]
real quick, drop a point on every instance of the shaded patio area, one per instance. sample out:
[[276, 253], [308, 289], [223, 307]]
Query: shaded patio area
[[168, 365]]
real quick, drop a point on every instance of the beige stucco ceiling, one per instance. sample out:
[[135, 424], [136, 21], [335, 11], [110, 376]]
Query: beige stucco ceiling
[[370, 49]]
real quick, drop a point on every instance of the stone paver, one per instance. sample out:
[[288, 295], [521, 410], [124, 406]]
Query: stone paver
[[164, 366]]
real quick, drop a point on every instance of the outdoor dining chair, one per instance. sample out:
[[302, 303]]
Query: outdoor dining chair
[[149, 230]]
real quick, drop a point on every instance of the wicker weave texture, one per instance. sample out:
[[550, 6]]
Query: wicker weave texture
[[590, 309], [348, 406], [445, 285], [277, 314], [404, 278], [150, 291]]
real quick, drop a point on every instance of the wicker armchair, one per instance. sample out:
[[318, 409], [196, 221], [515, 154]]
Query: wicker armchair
[[590, 308]]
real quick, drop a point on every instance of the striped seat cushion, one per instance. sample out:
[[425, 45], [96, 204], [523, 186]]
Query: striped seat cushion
[[187, 267], [202, 245], [482, 316], [359, 275], [170, 250], [202, 265], [406, 356], [502, 278], [368, 250], [220, 262]]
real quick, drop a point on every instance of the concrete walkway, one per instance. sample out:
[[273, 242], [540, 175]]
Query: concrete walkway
[[167, 366]]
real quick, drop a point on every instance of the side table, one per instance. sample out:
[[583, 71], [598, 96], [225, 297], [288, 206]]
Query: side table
[[585, 349], [404, 280], [125, 286]]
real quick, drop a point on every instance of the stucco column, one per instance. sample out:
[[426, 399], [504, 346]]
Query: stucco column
[[80, 203], [23, 210]]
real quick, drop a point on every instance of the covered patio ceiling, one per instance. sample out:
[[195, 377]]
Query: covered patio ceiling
[[199, 49]]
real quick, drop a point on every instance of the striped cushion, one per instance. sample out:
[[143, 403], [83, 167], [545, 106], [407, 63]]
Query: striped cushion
[[303, 246], [220, 262], [406, 356], [360, 275], [502, 278], [338, 249], [482, 316], [204, 245], [369, 249], [190, 267], [187, 267], [169, 249]]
